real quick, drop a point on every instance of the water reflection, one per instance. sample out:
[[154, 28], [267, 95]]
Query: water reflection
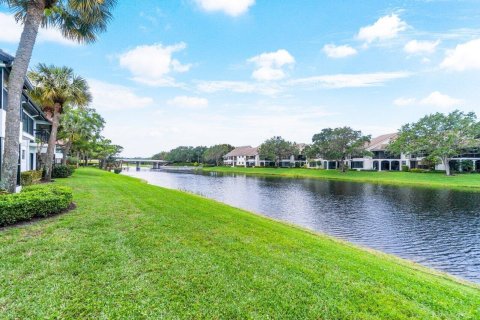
[[438, 228]]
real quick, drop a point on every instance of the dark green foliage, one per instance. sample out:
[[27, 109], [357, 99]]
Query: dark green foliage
[[440, 136], [32, 202], [338, 144], [214, 154], [405, 168], [466, 165], [117, 170], [28, 178], [277, 149], [62, 171]]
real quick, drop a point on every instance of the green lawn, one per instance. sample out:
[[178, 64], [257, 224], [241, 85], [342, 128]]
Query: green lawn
[[460, 181], [133, 250]]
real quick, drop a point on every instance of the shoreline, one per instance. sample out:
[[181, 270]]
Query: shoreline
[[411, 263], [472, 183]]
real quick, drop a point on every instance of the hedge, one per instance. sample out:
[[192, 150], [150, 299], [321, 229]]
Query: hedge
[[62, 171], [28, 178], [33, 202]]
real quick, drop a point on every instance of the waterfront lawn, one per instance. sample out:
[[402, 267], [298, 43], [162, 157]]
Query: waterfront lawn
[[133, 250], [459, 181]]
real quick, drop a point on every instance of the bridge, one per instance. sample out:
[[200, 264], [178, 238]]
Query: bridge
[[138, 162]]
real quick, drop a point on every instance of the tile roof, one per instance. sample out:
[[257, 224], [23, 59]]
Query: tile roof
[[243, 151], [381, 142]]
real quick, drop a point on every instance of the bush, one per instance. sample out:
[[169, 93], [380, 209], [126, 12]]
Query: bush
[[28, 178], [32, 202], [117, 170], [62, 171], [405, 168], [466, 165], [73, 161]]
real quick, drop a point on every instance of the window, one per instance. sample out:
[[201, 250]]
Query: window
[[23, 154], [357, 164], [4, 91], [27, 124]]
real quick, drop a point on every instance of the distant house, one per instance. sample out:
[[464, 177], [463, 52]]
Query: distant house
[[35, 126], [382, 160], [247, 156]]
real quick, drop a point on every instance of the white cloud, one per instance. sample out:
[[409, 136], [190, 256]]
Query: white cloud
[[11, 32], [440, 100], [402, 102], [188, 102], [434, 99], [153, 64], [351, 80], [421, 47], [465, 56], [107, 96], [238, 87], [343, 51], [387, 27], [270, 65], [232, 8]]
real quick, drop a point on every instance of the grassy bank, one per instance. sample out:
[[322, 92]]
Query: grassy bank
[[132, 250], [460, 181]]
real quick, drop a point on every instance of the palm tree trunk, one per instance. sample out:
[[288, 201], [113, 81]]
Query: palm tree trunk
[[66, 151], [52, 141], [17, 78]]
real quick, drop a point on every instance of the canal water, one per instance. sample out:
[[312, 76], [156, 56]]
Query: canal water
[[437, 228]]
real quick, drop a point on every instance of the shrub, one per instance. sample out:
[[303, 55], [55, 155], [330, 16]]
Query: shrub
[[117, 170], [32, 202], [62, 171], [73, 161], [466, 165], [405, 168], [28, 178]]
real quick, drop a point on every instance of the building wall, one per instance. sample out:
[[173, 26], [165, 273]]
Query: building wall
[[28, 146]]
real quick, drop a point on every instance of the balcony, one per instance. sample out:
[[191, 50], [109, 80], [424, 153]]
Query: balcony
[[42, 136]]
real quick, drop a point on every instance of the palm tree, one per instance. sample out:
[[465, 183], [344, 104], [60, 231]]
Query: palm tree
[[79, 20], [77, 125], [55, 88]]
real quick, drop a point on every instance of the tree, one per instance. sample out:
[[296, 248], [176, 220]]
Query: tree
[[338, 144], [215, 153], [276, 149], [79, 20], [440, 136], [105, 152], [162, 155], [198, 153], [54, 89], [79, 125]]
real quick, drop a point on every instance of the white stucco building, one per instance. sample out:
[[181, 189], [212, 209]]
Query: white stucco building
[[35, 127], [382, 160], [248, 156]]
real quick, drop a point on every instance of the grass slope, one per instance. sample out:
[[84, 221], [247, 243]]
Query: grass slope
[[439, 180], [132, 250]]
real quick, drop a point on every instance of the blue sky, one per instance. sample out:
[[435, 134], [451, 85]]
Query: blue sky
[[202, 72]]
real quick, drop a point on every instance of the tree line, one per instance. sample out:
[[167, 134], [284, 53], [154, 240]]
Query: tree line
[[187, 154], [438, 137]]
